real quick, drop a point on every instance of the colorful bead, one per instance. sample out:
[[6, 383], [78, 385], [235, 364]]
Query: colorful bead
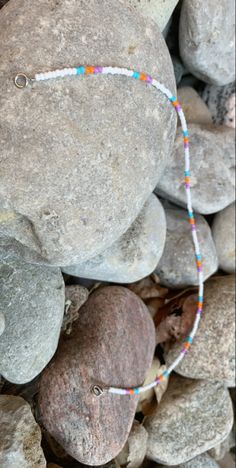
[[91, 70]]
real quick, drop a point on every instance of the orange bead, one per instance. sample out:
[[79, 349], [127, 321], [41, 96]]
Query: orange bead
[[90, 70], [143, 77]]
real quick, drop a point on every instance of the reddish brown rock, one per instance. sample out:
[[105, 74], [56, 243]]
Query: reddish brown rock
[[112, 343]]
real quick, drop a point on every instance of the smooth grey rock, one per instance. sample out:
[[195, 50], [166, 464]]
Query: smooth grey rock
[[2, 323], [20, 437], [212, 169], [83, 149], [158, 10], [32, 299], [223, 231], [135, 255], [177, 267], [221, 103], [206, 39], [193, 417], [202, 461], [195, 109], [212, 355]]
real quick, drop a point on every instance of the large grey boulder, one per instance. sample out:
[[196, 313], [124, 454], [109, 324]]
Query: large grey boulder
[[212, 152], [32, 300], [223, 231], [20, 436], [193, 416], [206, 38], [133, 256], [177, 266], [212, 355], [87, 151]]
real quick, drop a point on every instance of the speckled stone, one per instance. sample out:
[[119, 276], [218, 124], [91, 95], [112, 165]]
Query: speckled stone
[[193, 417], [206, 39], [212, 152], [32, 300], [112, 343], [159, 11], [135, 255], [202, 461], [20, 436], [79, 189], [2, 323], [195, 109], [212, 355], [177, 267], [223, 231], [221, 103]]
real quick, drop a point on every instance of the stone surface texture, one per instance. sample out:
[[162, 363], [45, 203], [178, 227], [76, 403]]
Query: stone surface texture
[[177, 267], [112, 343], [221, 103], [212, 152], [202, 461], [223, 231], [20, 437], [159, 11], [2, 323], [134, 451], [212, 355], [195, 109], [192, 417], [133, 256], [206, 39], [32, 300], [78, 190]]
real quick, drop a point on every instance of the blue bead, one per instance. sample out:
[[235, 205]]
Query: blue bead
[[136, 75], [186, 133], [80, 70], [173, 99], [189, 339], [187, 173], [198, 257], [166, 374], [136, 391]]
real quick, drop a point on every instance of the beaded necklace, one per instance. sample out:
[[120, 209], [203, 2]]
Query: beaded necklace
[[22, 80]]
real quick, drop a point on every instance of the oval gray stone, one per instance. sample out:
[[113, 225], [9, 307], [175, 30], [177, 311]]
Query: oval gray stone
[[32, 299], [206, 39], [87, 151], [177, 267], [193, 417], [212, 169], [223, 231], [212, 355], [20, 439], [135, 255]]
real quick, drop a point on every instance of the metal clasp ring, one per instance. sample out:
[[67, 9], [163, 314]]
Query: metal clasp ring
[[21, 80]]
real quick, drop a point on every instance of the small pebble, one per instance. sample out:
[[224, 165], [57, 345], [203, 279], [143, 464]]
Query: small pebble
[[195, 109]]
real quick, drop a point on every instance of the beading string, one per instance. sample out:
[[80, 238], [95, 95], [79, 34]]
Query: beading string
[[21, 81]]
